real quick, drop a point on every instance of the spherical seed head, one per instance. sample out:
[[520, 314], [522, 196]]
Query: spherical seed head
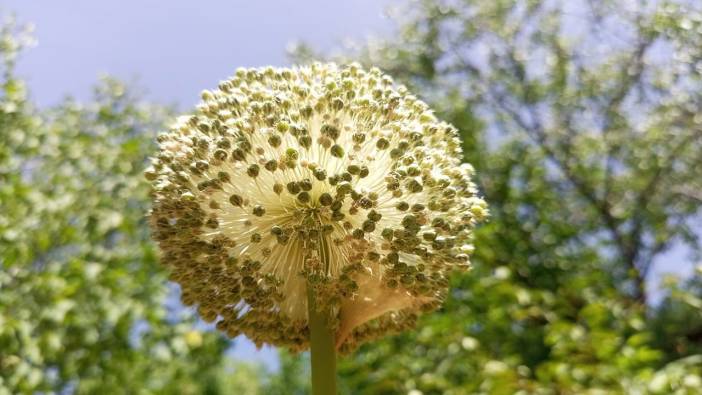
[[321, 178]]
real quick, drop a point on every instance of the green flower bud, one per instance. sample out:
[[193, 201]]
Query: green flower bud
[[337, 151]]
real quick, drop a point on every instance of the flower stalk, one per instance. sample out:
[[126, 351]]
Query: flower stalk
[[322, 332], [322, 349]]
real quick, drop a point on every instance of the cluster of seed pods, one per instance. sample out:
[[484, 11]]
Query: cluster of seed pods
[[323, 179]]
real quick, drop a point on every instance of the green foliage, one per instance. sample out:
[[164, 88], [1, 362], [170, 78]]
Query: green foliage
[[293, 377], [81, 296], [678, 320], [582, 120]]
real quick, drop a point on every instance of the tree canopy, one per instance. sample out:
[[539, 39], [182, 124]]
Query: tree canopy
[[82, 300]]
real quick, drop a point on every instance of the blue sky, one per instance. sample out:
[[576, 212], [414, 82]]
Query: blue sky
[[175, 49]]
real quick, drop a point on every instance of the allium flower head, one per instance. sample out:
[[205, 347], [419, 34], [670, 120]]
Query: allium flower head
[[324, 179]]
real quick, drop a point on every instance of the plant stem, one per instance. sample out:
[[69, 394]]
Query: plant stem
[[322, 350], [322, 337]]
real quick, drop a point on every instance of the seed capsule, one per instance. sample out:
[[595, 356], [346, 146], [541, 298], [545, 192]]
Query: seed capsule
[[292, 154], [337, 151], [429, 236], [305, 185], [364, 172], [357, 234], [236, 200], [274, 141], [253, 170], [336, 205], [343, 188], [305, 141], [415, 186], [238, 154], [325, 199], [303, 197], [259, 210], [374, 216], [368, 226], [293, 187], [220, 154], [320, 174], [271, 165]]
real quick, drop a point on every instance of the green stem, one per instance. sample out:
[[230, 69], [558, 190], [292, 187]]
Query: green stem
[[322, 350]]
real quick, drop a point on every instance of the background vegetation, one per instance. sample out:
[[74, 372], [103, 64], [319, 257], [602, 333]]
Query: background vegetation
[[584, 122]]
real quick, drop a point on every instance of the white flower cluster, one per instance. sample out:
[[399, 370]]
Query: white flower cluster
[[321, 178]]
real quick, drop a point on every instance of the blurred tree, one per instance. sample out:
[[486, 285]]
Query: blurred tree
[[81, 296], [292, 378], [583, 121]]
